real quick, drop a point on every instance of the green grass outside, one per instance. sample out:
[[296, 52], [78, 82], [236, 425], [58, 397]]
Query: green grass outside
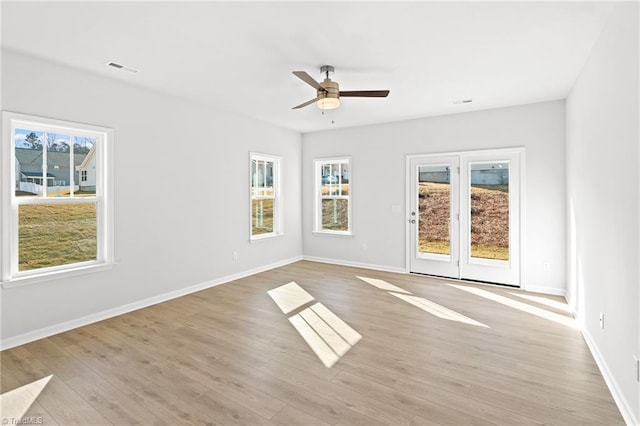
[[56, 234], [481, 251], [489, 252], [261, 217], [335, 214]]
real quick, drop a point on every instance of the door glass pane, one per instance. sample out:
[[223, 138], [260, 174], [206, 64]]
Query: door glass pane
[[56, 234], [434, 209], [490, 210]]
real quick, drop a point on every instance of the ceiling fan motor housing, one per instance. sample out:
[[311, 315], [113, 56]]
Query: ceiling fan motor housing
[[331, 89], [328, 95]]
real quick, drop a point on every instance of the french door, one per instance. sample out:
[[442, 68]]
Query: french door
[[464, 215]]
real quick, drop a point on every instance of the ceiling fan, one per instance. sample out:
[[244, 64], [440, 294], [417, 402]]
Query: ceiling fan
[[329, 93]]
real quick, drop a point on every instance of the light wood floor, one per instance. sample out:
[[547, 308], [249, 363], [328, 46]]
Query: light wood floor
[[228, 355]]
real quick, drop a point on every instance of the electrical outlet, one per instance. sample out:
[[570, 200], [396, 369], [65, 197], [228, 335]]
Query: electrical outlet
[[637, 365], [364, 246], [601, 320], [546, 266], [235, 256]]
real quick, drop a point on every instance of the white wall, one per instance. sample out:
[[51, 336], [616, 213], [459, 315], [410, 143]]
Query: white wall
[[379, 154], [603, 208], [180, 228]]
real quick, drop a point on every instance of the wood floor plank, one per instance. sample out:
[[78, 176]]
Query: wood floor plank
[[317, 404], [36, 414], [213, 377], [140, 389], [110, 401], [217, 409], [531, 408], [489, 412], [412, 404], [356, 407], [289, 416], [68, 407], [485, 373], [229, 355], [8, 380]]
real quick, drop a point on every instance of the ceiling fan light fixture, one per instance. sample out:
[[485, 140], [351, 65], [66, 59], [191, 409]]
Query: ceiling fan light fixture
[[328, 103]]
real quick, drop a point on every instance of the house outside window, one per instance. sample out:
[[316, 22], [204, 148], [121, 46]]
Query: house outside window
[[266, 211], [53, 226], [332, 213]]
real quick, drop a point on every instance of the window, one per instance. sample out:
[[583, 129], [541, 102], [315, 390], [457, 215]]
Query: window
[[333, 196], [265, 196], [54, 224]]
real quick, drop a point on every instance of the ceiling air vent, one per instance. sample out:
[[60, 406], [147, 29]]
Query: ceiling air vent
[[462, 101], [122, 67]]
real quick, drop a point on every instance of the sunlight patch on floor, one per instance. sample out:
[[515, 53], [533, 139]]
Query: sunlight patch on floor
[[315, 342], [420, 302], [15, 403], [542, 313], [383, 285], [349, 334], [327, 335], [543, 301], [290, 297], [437, 310]]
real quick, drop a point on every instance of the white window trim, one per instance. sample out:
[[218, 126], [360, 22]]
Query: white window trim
[[9, 274], [277, 196], [317, 211]]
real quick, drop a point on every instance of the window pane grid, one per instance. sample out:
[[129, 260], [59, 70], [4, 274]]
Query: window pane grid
[[55, 224], [264, 196], [48, 164], [333, 195]]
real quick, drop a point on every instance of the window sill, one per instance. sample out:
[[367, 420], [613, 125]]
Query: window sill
[[333, 234], [265, 237], [49, 276]]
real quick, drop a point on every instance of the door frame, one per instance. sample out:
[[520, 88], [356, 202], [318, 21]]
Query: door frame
[[520, 150], [440, 265]]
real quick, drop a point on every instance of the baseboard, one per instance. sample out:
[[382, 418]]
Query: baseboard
[[623, 405], [383, 268], [134, 306], [535, 289], [547, 290]]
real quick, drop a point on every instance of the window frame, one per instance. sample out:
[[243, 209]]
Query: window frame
[[10, 275], [318, 197], [277, 196]]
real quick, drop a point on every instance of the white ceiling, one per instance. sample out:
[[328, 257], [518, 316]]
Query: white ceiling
[[239, 55]]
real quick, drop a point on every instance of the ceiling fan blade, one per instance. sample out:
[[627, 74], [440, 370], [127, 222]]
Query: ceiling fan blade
[[364, 93], [302, 75], [309, 102]]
